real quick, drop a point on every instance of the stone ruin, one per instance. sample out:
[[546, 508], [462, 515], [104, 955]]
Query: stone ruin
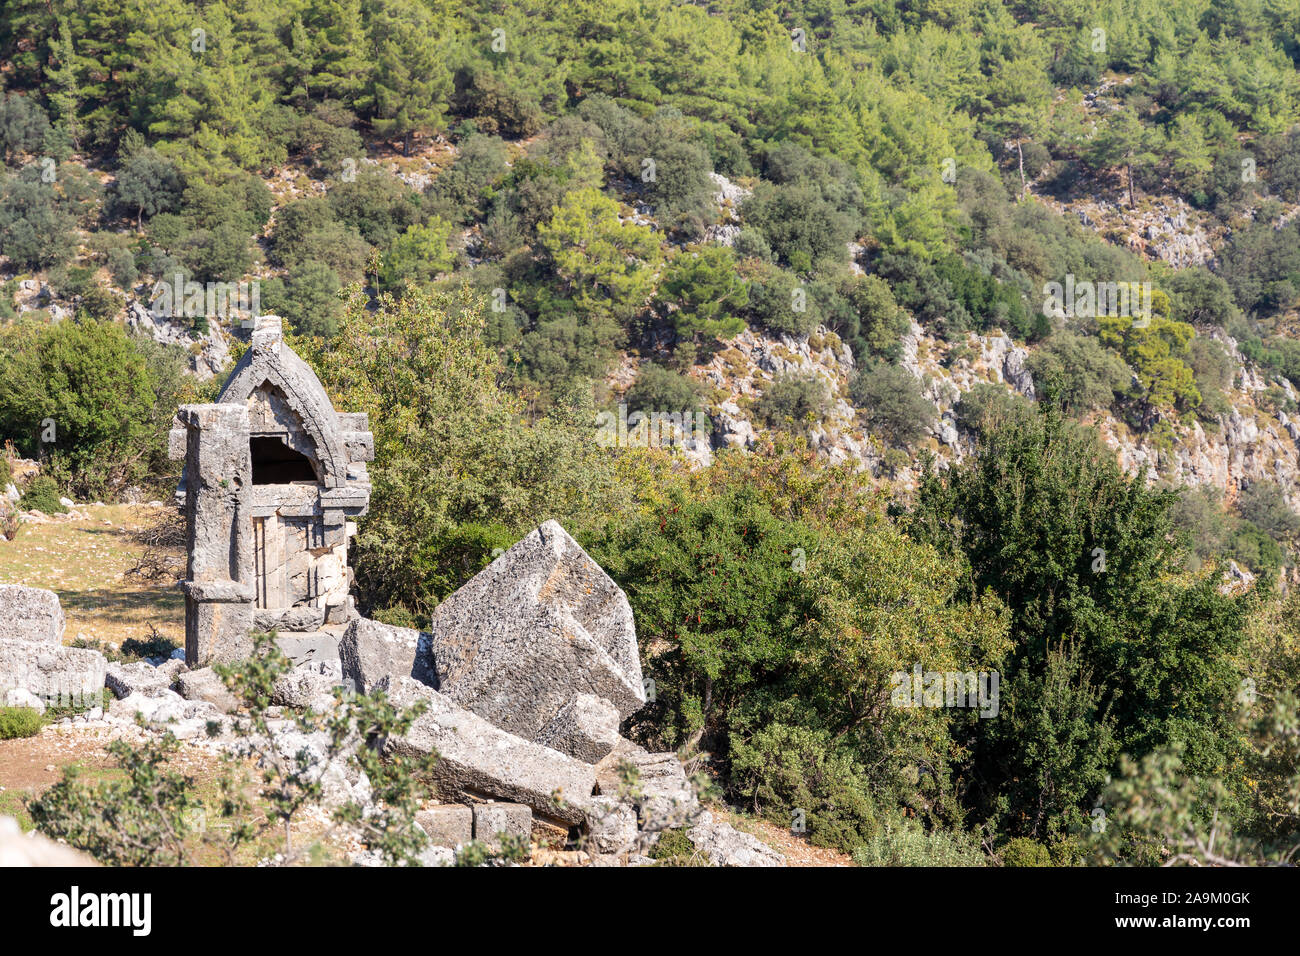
[[273, 476], [526, 673]]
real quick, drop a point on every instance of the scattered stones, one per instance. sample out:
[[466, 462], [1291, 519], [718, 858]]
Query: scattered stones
[[30, 614], [586, 728], [168, 711], [139, 678], [496, 822], [447, 825], [540, 624]]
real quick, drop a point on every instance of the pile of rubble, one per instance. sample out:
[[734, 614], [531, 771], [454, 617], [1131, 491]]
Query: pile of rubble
[[525, 673]]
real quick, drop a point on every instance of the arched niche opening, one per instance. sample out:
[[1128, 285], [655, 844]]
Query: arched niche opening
[[275, 463]]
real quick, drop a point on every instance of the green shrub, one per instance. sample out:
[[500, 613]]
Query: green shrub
[[658, 389], [786, 768], [904, 842], [1023, 851], [41, 494], [891, 403], [674, 848], [794, 401], [18, 722]]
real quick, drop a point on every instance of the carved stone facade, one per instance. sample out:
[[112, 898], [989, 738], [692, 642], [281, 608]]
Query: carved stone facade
[[273, 476]]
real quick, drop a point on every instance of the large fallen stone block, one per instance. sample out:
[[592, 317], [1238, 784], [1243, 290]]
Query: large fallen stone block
[[61, 676], [538, 625], [447, 825], [586, 728], [494, 823], [30, 614], [478, 759], [724, 845], [372, 652]]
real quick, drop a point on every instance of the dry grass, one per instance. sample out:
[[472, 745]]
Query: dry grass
[[84, 561]]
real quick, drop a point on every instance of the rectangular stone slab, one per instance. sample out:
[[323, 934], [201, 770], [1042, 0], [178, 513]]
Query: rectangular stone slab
[[477, 758]]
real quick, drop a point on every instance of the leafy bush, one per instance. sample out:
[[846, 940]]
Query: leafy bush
[[904, 842], [1023, 851], [1085, 375], [889, 400], [1073, 547], [111, 398], [794, 401], [41, 494], [783, 769], [780, 302], [659, 389], [18, 722]]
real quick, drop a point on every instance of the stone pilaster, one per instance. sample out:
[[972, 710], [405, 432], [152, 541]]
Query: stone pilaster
[[219, 587]]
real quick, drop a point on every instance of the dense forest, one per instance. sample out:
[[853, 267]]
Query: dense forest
[[486, 223]]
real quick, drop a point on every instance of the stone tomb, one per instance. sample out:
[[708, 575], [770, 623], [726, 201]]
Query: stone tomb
[[273, 475]]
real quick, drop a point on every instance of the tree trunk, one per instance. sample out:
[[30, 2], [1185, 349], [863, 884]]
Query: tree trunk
[[1020, 151], [1128, 171]]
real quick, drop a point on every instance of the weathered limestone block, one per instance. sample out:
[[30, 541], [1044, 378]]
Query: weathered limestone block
[[448, 824], [310, 646], [22, 697], [372, 652], [586, 728], [62, 676], [495, 822], [613, 826], [30, 614], [540, 624], [303, 617], [661, 792], [204, 685], [139, 678], [724, 845], [477, 758], [309, 685]]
